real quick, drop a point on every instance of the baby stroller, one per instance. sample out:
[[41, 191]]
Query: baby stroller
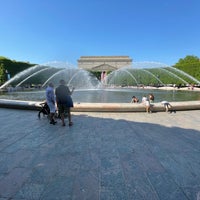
[[44, 109]]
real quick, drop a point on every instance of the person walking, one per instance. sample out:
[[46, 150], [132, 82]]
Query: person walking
[[64, 101], [50, 99]]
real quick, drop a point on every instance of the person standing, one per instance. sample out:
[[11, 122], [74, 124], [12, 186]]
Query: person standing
[[103, 77], [50, 99], [64, 101]]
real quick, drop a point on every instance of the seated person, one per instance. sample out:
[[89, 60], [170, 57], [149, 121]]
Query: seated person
[[147, 104], [151, 98], [134, 99]]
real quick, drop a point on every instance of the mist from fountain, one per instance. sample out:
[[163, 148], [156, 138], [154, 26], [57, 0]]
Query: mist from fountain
[[182, 80], [53, 72], [111, 79], [153, 76], [149, 73], [186, 75], [51, 77], [89, 89], [32, 75], [21, 76], [139, 73]]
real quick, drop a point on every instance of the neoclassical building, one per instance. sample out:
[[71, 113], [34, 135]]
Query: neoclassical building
[[103, 63]]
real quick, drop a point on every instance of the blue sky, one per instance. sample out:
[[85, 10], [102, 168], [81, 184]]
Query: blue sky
[[42, 31]]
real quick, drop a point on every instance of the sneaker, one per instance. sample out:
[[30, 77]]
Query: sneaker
[[70, 123]]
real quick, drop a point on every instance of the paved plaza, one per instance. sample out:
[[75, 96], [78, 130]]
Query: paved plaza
[[103, 156]]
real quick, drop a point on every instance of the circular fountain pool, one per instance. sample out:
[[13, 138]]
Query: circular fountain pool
[[121, 95], [90, 89]]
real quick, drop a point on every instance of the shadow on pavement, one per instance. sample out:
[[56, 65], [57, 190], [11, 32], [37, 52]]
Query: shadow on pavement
[[97, 158]]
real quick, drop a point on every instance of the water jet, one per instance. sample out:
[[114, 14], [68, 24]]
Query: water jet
[[121, 84]]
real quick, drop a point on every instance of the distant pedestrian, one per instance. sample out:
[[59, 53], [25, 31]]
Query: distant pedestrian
[[103, 77], [64, 101], [50, 99]]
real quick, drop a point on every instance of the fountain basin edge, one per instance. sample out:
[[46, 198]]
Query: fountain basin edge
[[103, 107]]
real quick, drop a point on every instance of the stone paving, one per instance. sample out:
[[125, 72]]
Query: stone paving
[[104, 156]]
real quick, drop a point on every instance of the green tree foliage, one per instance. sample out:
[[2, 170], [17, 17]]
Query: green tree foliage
[[189, 64], [2, 74], [14, 67]]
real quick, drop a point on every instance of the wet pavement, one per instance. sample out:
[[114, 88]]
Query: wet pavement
[[103, 156]]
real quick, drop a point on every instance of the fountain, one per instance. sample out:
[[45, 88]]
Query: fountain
[[43, 74], [120, 85], [150, 74]]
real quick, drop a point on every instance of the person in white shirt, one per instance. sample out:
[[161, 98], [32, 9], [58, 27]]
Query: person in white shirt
[[167, 105], [50, 98], [147, 104]]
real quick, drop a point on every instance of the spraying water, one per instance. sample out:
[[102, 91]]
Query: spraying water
[[139, 73]]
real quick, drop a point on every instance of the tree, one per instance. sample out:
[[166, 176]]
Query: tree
[[188, 60], [2, 74], [14, 67], [190, 64]]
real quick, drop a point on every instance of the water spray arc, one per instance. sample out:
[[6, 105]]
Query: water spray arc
[[153, 76], [43, 85], [21, 74], [165, 70], [130, 76], [38, 72], [185, 74], [74, 75], [112, 75]]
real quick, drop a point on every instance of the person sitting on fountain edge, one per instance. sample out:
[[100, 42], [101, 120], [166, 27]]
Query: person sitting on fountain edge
[[134, 99], [147, 104], [151, 98]]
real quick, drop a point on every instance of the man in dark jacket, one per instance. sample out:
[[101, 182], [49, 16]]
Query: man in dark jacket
[[64, 101]]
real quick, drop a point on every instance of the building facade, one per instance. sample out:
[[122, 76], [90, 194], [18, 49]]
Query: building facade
[[103, 63]]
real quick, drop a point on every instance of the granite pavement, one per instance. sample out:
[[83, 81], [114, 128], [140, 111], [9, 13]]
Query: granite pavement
[[103, 156]]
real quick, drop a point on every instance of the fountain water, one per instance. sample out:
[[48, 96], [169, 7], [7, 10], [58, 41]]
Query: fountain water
[[43, 74], [184, 74], [89, 89], [150, 73]]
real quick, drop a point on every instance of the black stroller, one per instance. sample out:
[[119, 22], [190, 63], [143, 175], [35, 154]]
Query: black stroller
[[44, 109]]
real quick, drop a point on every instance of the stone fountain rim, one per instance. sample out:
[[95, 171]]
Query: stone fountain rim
[[103, 107]]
